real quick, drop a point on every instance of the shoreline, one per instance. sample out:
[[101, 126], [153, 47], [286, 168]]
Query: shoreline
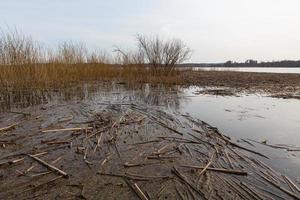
[[273, 84], [52, 155]]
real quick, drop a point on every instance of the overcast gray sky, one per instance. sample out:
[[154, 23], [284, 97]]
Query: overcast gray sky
[[217, 30]]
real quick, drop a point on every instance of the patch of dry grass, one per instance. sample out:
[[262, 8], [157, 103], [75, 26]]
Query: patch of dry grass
[[60, 75], [24, 63]]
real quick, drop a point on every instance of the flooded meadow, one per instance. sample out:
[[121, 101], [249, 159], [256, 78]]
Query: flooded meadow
[[148, 142]]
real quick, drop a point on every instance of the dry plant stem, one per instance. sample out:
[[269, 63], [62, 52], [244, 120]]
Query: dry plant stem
[[41, 174], [229, 160], [208, 164], [146, 142], [67, 129], [56, 160], [150, 177], [281, 188], [292, 183], [49, 166], [142, 195], [98, 142], [244, 148], [136, 189], [8, 127], [57, 142], [12, 161], [227, 171], [50, 181], [181, 177], [21, 113], [252, 192]]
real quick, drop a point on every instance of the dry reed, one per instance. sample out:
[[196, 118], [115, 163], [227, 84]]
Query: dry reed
[[24, 63]]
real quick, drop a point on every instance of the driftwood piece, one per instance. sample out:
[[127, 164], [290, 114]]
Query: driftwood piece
[[49, 166]]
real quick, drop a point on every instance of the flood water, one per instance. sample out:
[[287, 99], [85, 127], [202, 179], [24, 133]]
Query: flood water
[[254, 117], [253, 69], [257, 117]]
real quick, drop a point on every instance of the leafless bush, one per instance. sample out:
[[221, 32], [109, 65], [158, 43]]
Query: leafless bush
[[156, 53], [163, 54]]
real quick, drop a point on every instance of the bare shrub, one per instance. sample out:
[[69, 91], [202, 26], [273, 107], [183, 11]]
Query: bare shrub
[[163, 54]]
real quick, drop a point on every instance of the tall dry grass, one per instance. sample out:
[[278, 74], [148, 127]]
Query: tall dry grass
[[24, 63]]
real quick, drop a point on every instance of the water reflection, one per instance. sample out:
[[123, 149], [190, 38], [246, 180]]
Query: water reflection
[[248, 116], [157, 95]]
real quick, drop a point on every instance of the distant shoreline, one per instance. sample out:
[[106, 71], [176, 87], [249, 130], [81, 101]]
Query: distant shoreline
[[239, 66]]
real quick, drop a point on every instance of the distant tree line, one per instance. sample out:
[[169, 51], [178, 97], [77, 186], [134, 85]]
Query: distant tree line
[[247, 63], [255, 63]]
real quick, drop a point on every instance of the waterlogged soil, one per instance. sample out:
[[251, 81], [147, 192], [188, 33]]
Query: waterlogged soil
[[129, 144], [274, 84]]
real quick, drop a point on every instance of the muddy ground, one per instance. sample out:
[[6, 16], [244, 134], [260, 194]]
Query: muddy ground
[[128, 150], [132, 147], [274, 84]]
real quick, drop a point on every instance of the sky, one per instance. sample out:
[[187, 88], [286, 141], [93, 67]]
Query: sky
[[216, 30]]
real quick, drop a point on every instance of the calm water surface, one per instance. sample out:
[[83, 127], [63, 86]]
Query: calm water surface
[[253, 69], [248, 116], [255, 117]]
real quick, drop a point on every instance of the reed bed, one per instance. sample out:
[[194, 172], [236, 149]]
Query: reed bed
[[25, 63], [59, 75]]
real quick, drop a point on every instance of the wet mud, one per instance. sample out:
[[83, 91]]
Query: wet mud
[[128, 147]]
